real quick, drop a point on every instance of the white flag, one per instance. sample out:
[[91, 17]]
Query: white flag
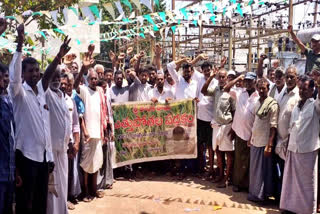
[[147, 3]]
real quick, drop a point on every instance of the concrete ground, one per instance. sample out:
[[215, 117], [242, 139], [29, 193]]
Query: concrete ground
[[164, 194]]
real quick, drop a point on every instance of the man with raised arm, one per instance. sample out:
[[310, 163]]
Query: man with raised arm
[[313, 54], [95, 118], [34, 157]]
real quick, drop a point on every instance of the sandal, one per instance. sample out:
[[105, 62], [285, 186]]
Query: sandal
[[99, 194], [70, 205], [109, 186], [87, 199]]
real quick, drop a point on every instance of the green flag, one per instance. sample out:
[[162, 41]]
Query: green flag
[[127, 3]]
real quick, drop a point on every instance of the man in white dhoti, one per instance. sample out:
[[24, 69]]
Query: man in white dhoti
[[286, 102], [74, 188], [299, 191], [92, 155], [223, 106], [60, 131]]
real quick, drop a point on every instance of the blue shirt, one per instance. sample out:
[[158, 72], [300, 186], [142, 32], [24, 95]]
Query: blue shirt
[[79, 103], [7, 150]]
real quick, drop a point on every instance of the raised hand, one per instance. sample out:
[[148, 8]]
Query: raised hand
[[88, 59], [20, 30], [130, 51], [3, 25], [64, 48], [158, 50], [112, 56], [121, 56], [223, 61], [203, 56], [141, 54]]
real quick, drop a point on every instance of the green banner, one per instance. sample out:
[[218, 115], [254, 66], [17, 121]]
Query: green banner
[[148, 132]]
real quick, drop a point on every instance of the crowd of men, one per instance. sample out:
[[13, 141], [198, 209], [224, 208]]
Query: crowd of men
[[56, 129]]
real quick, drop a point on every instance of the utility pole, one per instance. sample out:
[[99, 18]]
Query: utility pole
[[290, 12], [315, 14], [230, 45], [173, 2], [250, 47]]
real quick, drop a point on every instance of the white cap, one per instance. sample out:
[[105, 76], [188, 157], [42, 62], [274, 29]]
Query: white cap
[[316, 37], [231, 72]]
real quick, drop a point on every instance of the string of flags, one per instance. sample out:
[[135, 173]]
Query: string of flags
[[152, 23]]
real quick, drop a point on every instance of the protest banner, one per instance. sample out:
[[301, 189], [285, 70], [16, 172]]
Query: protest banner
[[145, 131]]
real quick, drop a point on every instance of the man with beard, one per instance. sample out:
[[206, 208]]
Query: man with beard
[[261, 181], [118, 92], [33, 151], [95, 120], [152, 76], [60, 135], [241, 129], [159, 94], [313, 54], [74, 188], [299, 190]]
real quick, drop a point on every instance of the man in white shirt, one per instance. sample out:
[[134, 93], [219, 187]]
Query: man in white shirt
[[92, 155], [60, 130], [33, 144], [205, 114], [186, 87], [299, 190], [286, 103], [159, 93], [140, 88], [241, 130]]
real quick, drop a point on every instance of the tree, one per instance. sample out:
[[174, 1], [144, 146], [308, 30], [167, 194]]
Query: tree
[[17, 7]]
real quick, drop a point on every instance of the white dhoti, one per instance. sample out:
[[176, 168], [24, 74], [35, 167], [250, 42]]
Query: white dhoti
[[300, 182], [91, 156], [221, 138], [58, 205]]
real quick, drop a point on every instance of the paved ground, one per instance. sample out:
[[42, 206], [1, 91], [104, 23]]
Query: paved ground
[[166, 195]]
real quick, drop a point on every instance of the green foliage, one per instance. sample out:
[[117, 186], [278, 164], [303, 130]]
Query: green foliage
[[17, 7]]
